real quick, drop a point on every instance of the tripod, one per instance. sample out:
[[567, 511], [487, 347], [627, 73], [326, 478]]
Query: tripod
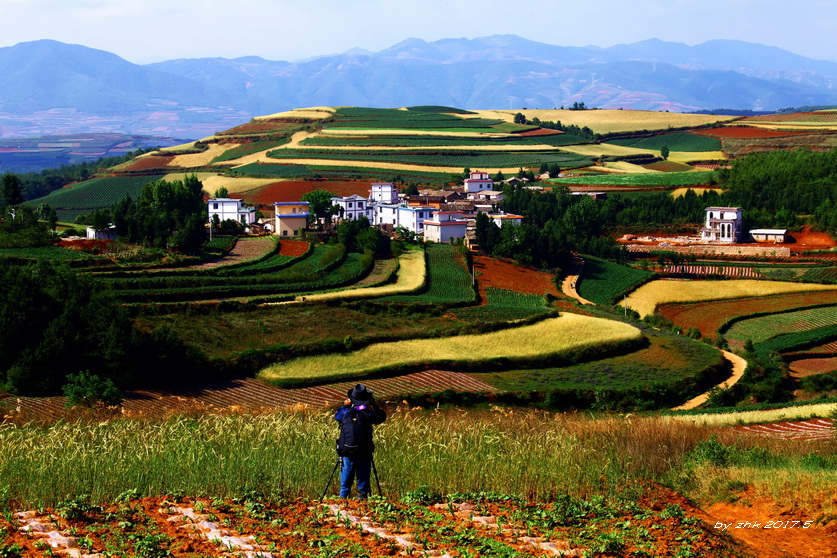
[[339, 464]]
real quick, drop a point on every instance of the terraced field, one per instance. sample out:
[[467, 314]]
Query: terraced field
[[761, 328], [709, 317]]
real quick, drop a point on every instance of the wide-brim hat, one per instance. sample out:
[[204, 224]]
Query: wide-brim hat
[[359, 394]]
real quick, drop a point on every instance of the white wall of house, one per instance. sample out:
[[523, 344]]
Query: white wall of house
[[445, 226], [383, 192], [385, 215], [478, 181], [723, 224], [412, 218], [352, 208], [229, 208], [503, 219]]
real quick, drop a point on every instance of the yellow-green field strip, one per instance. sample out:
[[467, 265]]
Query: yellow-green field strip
[[756, 417], [551, 337], [646, 298], [410, 277]]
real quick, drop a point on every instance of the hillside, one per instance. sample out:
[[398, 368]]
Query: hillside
[[91, 90]]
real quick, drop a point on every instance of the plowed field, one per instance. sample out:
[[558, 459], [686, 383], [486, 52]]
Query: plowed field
[[293, 190], [659, 524]]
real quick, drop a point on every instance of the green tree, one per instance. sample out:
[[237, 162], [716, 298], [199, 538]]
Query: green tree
[[11, 190], [664, 152], [221, 192], [87, 389], [320, 204], [519, 118]]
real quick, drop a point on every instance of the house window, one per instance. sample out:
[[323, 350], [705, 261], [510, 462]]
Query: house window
[[350, 205], [214, 206], [285, 232]]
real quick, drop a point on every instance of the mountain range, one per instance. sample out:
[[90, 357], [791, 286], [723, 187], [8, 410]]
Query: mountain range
[[52, 87]]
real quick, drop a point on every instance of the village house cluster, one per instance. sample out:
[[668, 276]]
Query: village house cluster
[[446, 215]]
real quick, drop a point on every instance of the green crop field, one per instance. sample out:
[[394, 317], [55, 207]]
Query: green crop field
[[93, 194], [821, 275], [678, 141], [359, 117], [667, 360], [642, 179], [250, 148], [448, 280], [46, 253], [762, 328], [504, 305], [440, 141], [602, 281], [438, 158], [272, 171]]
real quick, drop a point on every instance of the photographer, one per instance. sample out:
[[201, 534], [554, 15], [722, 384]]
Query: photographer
[[354, 445]]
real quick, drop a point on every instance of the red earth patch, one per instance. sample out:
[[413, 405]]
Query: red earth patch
[[149, 163], [292, 248], [293, 190], [743, 132]]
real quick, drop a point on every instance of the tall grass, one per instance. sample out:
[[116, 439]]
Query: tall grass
[[291, 454]]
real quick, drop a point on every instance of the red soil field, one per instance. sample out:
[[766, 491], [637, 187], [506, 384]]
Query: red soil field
[[294, 189], [492, 272], [292, 248], [794, 117], [743, 132], [665, 166], [812, 366], [708, 317], [540, 132], [806, 239], [92, 246], [150, 162]]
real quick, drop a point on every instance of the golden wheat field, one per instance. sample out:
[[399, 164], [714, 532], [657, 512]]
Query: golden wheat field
[[204, 158], [624, 167], [756, 417], [236, 185], [548, 337], [646, 298], [609, 121]]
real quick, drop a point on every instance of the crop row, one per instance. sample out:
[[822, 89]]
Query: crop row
[[220, 244], [250, 148], [821, 275], [284, 284], [454, 158], [95, 193], [678, 141], [798, 340], [440, 141], [321, 258], [603, 282], [270, 264], [503, 305], [761, 328], [268, 170], [448, 279], [642, 179], [369, 173]]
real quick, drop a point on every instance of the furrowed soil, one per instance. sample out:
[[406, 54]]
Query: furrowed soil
[[659, 524]]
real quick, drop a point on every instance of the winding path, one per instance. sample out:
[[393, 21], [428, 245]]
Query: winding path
[[568, 287], [738, 367]]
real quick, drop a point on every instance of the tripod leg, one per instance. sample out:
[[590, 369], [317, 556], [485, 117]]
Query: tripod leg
[[328, 484], [377, 482]]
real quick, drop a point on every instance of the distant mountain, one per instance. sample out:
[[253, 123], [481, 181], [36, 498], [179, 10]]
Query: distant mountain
[[54, 86]]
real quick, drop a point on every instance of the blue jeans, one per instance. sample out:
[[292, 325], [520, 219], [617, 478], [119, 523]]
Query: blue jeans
[[351, 467]]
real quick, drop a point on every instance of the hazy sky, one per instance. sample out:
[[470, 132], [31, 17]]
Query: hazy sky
[[145, 31]]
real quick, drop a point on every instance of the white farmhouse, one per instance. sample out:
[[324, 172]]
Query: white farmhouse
[[502, 219], [723, 224], [445, 226], [383, 192], [352, 208], [229, 208], [478, 182], [412, 218]]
